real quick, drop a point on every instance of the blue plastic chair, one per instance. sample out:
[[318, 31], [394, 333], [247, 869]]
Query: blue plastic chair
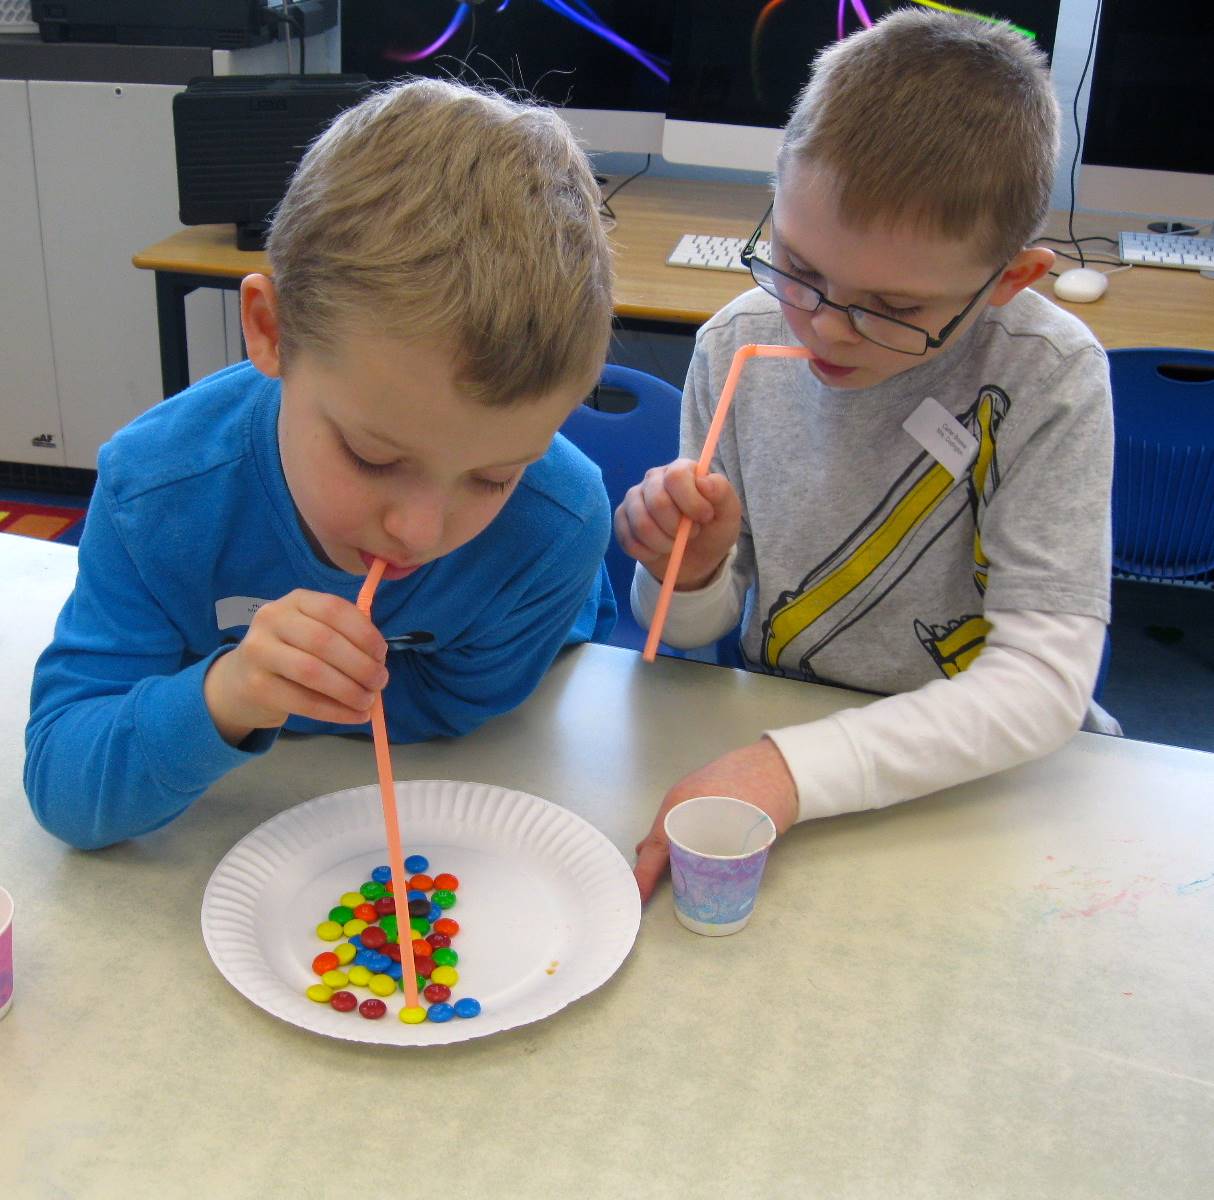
[[625, 445], [1163, 463]]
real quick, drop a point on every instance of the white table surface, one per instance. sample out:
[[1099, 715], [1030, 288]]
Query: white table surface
[[1003, 990]]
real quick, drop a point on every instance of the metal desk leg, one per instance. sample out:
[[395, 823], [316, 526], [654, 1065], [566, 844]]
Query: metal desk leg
[[171, 291]]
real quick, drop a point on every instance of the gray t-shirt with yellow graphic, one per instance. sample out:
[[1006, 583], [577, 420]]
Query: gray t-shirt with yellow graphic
[[868, 565]]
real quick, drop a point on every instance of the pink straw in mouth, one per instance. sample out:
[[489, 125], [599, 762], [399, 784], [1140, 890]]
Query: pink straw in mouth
[[741, 357], [387, 795]]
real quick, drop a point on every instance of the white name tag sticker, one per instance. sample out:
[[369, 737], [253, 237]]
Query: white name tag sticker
[[236, 610], [942, 436]]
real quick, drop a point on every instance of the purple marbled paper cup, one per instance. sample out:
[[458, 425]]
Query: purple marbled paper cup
[[6, 951], [718, 848]]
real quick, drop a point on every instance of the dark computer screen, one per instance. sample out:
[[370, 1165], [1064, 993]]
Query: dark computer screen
[[610, 54], [1151, 105], [743, 62]]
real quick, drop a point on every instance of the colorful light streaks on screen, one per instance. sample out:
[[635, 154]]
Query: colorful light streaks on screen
[[576, 11], [865, 21]]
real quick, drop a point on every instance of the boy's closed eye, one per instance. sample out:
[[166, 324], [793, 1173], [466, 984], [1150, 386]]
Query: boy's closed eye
[[378, 468], [899, 309]]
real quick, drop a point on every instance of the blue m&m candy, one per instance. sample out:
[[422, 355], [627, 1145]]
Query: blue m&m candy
[[434, 913], [379, 962], [467, 1007], [414, 894], [381, 874], [415, 863], [393, 970], [439, 1013], [366, 958]]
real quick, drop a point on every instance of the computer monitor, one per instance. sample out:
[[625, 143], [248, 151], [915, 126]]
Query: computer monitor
[[738, 67], [605, 63], [1149, 145]]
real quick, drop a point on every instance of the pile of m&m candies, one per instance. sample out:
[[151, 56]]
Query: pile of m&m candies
[[370, 956]]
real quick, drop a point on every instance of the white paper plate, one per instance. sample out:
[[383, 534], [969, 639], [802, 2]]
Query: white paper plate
[[547, 906]]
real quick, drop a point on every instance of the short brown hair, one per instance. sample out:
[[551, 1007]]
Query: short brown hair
[[433, 209], [941, 121]]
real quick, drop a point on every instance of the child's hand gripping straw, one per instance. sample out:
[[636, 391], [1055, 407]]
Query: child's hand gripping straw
[[741, 357], [387, 795]]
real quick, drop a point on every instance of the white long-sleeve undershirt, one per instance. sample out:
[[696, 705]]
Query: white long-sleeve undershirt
[[1022, 697]]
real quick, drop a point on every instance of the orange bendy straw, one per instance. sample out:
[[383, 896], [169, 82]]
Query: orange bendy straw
[[741, 357], [387, 795]]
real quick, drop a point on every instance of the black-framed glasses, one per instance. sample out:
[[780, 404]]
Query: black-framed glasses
[[872, 326]]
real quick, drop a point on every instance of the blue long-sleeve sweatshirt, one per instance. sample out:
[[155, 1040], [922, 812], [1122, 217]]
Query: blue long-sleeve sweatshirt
[[191, 526]]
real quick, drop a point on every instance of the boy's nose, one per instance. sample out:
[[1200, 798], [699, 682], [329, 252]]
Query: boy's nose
[[834, 326], [416, 524]]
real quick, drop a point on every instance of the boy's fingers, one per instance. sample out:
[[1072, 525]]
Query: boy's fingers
[[683, 487], [330, 647], [343, 617], [318, 678], [302, 702], [653, 854]]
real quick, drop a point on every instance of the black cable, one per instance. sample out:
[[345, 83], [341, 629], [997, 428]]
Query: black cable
[[1087, 62], [1097, 237], [604, 205]]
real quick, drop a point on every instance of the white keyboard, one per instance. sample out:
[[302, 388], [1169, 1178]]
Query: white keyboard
[[1167, 250], [711, 253]]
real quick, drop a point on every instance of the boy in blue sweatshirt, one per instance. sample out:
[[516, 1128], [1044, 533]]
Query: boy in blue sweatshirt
[[441, 300]]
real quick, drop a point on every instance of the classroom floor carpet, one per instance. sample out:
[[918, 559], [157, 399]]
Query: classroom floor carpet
[[34, 514]]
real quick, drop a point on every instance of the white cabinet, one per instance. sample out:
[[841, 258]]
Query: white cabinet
[[107, 186], [30, 431]]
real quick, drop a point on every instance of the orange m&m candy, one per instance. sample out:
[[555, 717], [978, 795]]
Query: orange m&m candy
[[446, 882], [325, 961], [447, 925], [366, 912], [421, 883]]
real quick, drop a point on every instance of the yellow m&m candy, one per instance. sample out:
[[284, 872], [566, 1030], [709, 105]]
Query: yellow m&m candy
[[382, 985], [328, 931], [447, 976], [320, 992]]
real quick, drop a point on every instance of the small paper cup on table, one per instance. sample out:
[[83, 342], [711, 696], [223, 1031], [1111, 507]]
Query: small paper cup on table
[[718, 848], [6, 951]]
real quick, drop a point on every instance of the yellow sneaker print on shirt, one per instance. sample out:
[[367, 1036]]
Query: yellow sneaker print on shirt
[[854, 578]]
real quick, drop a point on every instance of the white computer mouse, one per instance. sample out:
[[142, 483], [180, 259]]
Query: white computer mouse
[[1081, 285]]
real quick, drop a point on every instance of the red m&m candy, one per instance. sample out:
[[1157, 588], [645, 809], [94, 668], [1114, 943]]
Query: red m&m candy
[[436, 993], [373, 937], [372, 1009], [343, 1001]]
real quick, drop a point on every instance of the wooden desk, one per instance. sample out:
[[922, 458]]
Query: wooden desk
[[1143, 307], [1004, 990]]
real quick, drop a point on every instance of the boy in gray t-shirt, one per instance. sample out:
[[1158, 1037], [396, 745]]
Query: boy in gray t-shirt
[[922, 510]]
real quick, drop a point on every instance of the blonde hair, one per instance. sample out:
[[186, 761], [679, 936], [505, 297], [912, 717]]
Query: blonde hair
[[433, 209], [938, 121]]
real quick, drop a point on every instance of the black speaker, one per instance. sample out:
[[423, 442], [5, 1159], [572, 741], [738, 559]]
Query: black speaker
[[240, 137]]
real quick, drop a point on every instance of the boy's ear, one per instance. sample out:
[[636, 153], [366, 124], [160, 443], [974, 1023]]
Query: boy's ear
[[1025, 269], [259, 320]]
